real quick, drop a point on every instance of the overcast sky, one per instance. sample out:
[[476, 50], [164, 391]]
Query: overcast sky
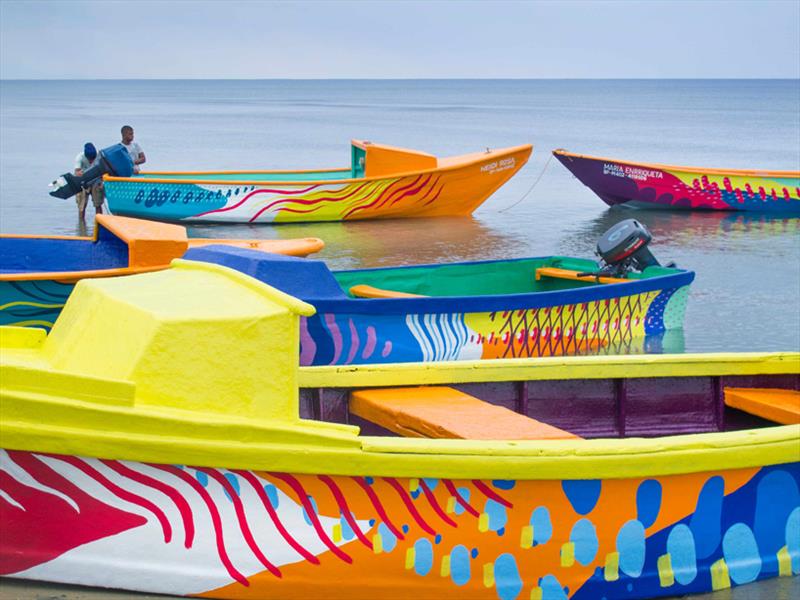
[[43, 39]]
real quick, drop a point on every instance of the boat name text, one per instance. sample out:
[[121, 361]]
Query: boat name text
[[499, 165], [631, 172]]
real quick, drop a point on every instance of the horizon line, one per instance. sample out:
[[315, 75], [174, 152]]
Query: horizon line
[[749, 78]]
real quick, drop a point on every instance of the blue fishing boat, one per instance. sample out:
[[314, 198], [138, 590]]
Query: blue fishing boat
[[524, 307]]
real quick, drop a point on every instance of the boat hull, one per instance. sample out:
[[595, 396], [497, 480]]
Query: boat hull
[[39, 273], [530, 315], [455, 189], [235, 533], [644, 185], [519, 328]]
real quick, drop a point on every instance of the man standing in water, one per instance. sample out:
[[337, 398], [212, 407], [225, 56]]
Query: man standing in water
[[83, 161], [134, 149]]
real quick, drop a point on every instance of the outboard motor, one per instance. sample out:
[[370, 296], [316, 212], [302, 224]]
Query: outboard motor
[[623, 248], [114, 160]]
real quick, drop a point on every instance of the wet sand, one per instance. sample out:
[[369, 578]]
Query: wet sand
[[783, 588]]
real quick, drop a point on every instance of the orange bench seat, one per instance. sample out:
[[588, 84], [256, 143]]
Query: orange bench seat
[[444, 412], [557, 273], [781, 406]]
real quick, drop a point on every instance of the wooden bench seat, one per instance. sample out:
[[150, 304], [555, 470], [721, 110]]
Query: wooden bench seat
[[367, 291], [556, 273], [444, 412], [781, 406]]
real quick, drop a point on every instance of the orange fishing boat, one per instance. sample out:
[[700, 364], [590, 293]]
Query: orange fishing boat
[[381, 182]]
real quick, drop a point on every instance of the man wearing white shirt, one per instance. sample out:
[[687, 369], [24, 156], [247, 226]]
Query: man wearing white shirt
[[134, 149]]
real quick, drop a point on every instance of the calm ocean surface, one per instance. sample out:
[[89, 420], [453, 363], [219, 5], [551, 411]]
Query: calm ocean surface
[[745, 296]]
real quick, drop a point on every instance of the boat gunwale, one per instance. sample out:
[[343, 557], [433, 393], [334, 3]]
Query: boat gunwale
[[548, 368], [494, 302], [702, 170], [74, 276], [312, 243], [464, 162], [200, 438], [605, 458]]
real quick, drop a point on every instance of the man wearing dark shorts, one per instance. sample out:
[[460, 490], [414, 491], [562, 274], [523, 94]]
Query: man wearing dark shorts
[[83, 161]]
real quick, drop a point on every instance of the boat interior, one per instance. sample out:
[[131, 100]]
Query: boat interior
[[42, 254], [544, 409], [118, 243], [367, 159], [312, 280]]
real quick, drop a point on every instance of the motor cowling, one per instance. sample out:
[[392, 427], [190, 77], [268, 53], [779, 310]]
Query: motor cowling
[[625, 244], [114, 160], [622, 249]]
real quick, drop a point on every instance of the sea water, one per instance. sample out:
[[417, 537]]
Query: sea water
[[745, 296]]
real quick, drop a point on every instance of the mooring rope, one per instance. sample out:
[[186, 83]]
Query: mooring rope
[[530, 189]]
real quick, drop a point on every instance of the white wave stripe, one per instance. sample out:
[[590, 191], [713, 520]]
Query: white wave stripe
[[7, 497], [443, 337], [463, 334], [429, 321], [8, 465], [139, 559], [412, 321], [451, 334]]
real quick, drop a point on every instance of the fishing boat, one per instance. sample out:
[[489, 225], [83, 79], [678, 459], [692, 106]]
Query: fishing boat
[[648, 185], [381, 182], [38, 272], [162, 438], [525, 307]]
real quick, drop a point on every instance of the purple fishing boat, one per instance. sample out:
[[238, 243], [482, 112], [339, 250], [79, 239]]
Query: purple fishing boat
[[649, 185]]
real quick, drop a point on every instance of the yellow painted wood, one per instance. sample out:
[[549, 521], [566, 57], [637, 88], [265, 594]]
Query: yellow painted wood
[[666, 577], [451, 505], [536, 593], [784, 562], [483, 523], [377, 543], [21, 337], [611, 570], [720, 579], [550, 368], [526, 537], [488, 575], [444, 571], [567, 554], [410, 558]]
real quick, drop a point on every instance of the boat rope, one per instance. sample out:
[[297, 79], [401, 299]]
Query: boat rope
[[530, 189]]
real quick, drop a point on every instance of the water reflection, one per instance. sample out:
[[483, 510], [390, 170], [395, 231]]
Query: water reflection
[[672, 341], [390, 242], [83, 229], [685, 230]]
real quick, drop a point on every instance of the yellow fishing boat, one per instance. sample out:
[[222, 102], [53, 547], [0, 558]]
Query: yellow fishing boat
[[162, 438]]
